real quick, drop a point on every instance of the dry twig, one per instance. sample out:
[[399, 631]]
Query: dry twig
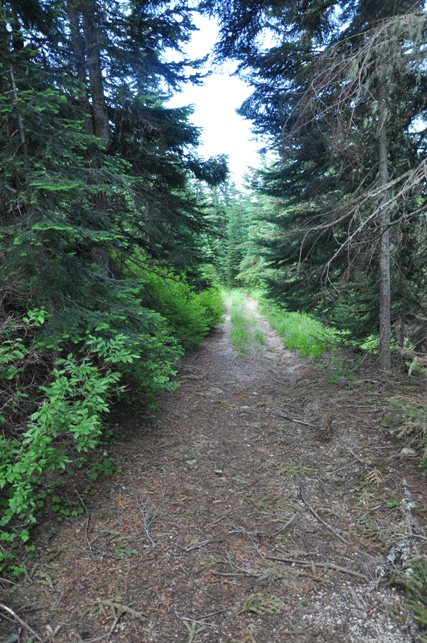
[[149, 514], [290, 521], [310, 563], [86, 524], [198, 545], [287, 417], [326, 524], [20, 621]]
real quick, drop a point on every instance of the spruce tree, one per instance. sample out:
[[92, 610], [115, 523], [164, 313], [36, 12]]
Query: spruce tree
[[337, 94]]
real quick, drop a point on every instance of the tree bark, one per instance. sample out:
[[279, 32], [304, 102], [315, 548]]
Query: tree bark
[[101, 125], [384, 259], [79, 59]]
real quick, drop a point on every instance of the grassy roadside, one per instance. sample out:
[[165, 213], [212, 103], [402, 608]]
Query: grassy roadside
[[244, 332], [300, 332]]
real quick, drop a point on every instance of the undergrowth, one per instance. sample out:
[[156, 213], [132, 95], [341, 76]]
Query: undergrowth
[[190, 315], [300, 332], [55, 394], [240, 324], [413, 578], [243, 325]]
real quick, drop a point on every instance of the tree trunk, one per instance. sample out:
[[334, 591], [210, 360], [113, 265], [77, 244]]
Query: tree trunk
[[101, 126], [79, 59], [385, 326]]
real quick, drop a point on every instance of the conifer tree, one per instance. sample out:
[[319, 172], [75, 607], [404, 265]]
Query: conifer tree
[[94, 164], [337, 94]]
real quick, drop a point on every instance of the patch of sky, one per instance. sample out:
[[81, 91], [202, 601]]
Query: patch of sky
[[215, 103]]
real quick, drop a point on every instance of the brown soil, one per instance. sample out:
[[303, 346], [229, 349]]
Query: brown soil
[[250, 509]]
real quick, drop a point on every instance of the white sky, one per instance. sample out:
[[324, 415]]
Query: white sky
[[224, 132]]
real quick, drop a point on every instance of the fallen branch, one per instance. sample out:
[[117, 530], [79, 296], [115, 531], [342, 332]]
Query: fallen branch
[[149, 514], [356, 600], [113, 627], [217, 573], [290, 521], [338, 568], [189, 619], [203, 617], [286, 417], [20, 621], [218, 611], [198, 545], [326, 524]]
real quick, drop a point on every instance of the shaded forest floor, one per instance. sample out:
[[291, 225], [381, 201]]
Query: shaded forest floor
[[265, 502]]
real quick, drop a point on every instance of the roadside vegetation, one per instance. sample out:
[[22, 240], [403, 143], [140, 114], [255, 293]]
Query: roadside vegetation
[[244, 331], [300, 332]]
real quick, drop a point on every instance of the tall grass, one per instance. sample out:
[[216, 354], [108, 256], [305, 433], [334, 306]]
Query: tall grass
[[300, 332], [240, 324]]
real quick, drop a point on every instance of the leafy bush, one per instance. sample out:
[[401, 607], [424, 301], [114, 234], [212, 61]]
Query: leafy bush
[[63, 417], [55, 392], [190, 315]]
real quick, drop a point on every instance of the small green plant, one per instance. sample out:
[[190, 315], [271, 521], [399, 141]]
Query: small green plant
[[122, 551], [414, 579], [6, 565], [105, 468], [408, 419], [260, 604], [193, 630], [392, 504], [258, 336]]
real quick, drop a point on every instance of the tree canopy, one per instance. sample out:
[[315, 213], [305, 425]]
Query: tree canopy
[[339, 90], [103, 264]]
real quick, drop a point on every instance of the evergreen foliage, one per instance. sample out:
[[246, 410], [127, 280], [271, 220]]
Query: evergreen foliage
[[102, 234], [340, 92]]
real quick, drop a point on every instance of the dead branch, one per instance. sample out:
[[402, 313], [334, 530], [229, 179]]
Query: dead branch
[[217, 573], [356, 599], [114, 625], [338, 568], [290, 521], [149, 514], [86, 523], [286, 417], [324, 523], [20, 621], [198, 545]]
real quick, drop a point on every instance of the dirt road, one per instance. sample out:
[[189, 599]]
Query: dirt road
[[264, 503]]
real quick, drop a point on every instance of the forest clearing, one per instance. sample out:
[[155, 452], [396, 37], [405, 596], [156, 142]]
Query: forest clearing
[[267, 501]]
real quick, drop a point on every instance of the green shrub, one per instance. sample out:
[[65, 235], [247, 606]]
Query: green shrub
[[69, 414], [64, 416], [190, 315], [55, 412], [211, 301]]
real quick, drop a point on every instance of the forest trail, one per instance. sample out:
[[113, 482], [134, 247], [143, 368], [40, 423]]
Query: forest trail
[[251, 509]]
